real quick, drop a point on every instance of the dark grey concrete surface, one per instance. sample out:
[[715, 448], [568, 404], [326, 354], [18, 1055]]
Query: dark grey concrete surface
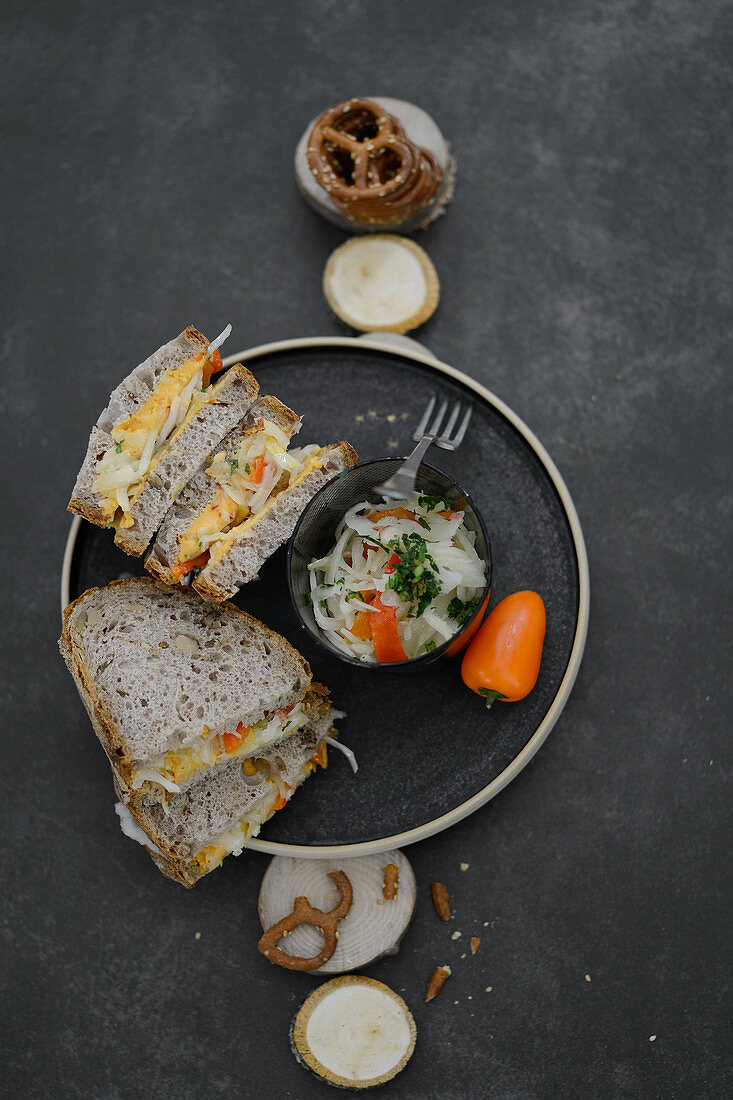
[[586, 279]]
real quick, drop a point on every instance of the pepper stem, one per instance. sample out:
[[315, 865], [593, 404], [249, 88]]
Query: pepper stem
[[490, 696]]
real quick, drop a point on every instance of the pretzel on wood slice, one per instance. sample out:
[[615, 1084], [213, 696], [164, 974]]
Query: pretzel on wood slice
[[304, 913]]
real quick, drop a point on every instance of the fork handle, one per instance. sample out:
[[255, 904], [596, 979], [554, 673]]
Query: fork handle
[[402, 484]]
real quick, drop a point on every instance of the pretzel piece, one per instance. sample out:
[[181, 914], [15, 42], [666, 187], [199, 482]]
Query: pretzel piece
[[305, 913], [361, 155]]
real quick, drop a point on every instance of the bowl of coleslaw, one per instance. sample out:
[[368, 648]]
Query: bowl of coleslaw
[[390, 584]]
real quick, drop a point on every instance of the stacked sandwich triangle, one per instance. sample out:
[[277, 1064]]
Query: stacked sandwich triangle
[[204, 465], [209, 719]]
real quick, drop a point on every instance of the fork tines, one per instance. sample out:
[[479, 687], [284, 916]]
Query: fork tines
[[442, 432]]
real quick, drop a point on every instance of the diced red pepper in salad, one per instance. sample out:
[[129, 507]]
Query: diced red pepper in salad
[[362, 628], [385, 636], [393, 561], [398, 513]]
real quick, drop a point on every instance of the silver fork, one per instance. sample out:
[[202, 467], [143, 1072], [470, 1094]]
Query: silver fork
[[401, 486]]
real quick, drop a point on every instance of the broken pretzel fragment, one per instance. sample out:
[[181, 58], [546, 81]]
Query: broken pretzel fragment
[[437, 981], [391, 875], [304, 913], [441, 900]]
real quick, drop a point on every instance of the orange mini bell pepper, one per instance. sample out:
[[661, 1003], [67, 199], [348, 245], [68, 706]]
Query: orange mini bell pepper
[[503, 660]]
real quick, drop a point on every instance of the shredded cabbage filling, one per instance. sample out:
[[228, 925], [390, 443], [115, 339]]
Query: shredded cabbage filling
[[171, 769], [415, 557], [141, 438], [261, 468]]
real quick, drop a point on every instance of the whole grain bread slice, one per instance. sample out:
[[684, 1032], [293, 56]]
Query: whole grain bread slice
[[195, 818], [154, 665], [201, 489], [259, 537], [231, 397], [132, 392]]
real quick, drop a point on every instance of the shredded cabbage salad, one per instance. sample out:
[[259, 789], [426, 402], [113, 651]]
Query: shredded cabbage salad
[[401, 579]]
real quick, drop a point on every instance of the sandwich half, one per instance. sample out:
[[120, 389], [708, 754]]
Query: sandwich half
[[177, 688], [219, 814], [244, 503], [160, 425]]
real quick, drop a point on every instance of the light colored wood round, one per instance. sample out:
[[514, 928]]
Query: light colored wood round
[[370, 311], [302, 1048], [372, 928]]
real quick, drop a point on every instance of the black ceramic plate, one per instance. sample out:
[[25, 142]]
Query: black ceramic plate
[[428, 751]]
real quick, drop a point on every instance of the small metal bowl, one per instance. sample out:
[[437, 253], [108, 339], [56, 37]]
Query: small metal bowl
[[314, 535]]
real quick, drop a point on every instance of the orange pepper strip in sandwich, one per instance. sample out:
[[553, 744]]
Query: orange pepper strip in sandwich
[[182, 568], [212, 366], [258, 468], [320, 756], [385, 636], [231, 741]]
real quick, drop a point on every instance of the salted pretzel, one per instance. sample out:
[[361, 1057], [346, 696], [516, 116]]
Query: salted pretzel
[[361, 155], [304, 913]]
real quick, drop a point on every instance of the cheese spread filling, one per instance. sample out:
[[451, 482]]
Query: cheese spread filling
[[246, 480], [233, 840], [171, 769], [228, 538], [142, 437]]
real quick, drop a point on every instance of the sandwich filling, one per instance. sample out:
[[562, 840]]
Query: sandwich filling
[[246, 481], [172, 769], [236, 837], [141, 439]]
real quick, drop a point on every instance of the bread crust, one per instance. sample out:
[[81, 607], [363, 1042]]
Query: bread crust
[[102, 720]]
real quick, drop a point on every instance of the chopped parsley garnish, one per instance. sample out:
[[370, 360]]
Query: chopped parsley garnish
[[118, 448], [430, 504], [429, 646], [423, 522], [247, 469], [235, 464], [368, 538], [308, 599], [413, 579], [287, 724], [296, 685], [354, 595], [461, 612]]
